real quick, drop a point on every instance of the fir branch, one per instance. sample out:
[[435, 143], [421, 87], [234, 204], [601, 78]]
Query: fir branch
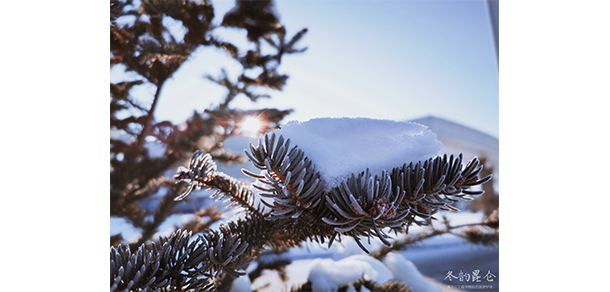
[[202, 173], [180, 263], [184, 261], [290, 178], [362, 206], [151, 269]]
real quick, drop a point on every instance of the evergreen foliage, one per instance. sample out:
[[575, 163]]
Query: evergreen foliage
[[142, 44], [198, 258], [361, 207]]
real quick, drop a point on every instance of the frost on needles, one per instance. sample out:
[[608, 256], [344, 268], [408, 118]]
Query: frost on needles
[[318, 180]]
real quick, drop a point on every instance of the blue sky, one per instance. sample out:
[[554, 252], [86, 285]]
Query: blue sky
[[394, 60]]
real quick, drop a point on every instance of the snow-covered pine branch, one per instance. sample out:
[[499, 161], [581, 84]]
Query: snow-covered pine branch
[[359, 178]]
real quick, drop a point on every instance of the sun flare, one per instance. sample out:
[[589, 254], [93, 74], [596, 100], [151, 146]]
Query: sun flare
[[251, 126]]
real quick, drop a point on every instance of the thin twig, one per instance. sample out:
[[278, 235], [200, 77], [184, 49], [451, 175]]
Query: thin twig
[[409, 240]]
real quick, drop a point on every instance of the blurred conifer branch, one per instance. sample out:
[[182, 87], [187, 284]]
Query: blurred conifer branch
[[484, 233], [149, 41]]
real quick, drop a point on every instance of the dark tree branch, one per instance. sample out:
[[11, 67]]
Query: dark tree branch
[[148, 123]]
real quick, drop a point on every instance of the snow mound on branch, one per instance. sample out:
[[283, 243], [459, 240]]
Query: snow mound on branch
[[328, 275], [341, 146], [406, 272], [241, 284], [269, 280]]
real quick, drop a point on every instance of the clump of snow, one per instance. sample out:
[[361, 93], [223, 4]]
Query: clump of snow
[[341, 146], [405, 271], [297, 272], [241, 284], [269, 281], [328, 275], [383, 273], [122, 136], [155, 149], [125, 228]]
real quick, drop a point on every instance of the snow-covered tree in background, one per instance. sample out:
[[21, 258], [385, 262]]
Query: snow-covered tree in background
[[353, 181]]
